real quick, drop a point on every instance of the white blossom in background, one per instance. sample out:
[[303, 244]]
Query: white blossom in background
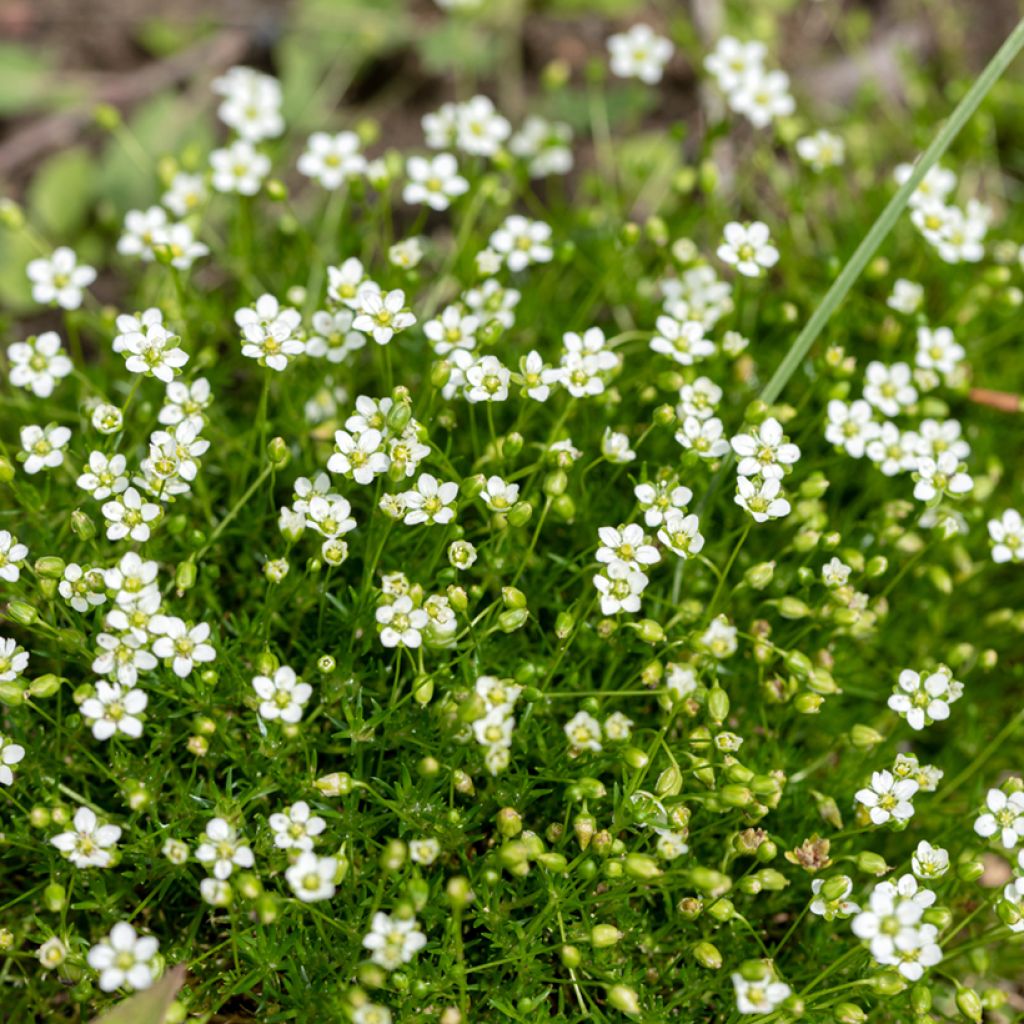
[[639, 53], [59, 279], [433, 181], [331, 160], [1006, 534], [748, 248], [251, 103], [239, 168], [38, 363], [821, 150]]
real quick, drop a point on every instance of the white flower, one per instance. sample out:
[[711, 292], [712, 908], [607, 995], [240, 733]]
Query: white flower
[[888, 799], [44, 446], [889, 388], [382, 314], [748, 248], [522, 242], [424, 851], [239, 168], [393, 941], [889, 922], [838, 906], [12, 556], [732, 61], [936, 185], [699, 398], [703, 436], [105, 475], [893, 450], [617, 727], [311, 877], [271, 333], [452, 330], [1014, 895], [123, 657], [59, 279], [626, 544], [88, 845], [83, 589], [359, 457], [759, 996], [400, 624], [345, 283], [583, 731], [129, 516], [332, 159], [478, 128], [332, 336], [936, 437], [615, 447], [152, 349], [538, 377], [924, 700], [764, 451], [406, 253], [216, 892], [494, 730], [821, 150], [433, 181], [763, 96], [487, 379], [10, 753], [251, 104], [185, 403], [620, 587], [762, 498], [374, 1013], [186, 194], [851, 426], [682, 341], [107, 419], [660, 499], [132, 579], [222, 849], [639, 53], [297, 828], [719, 639], [1003, 819], [943, 475], [670, 844], [139, 234], [545, 145], [906, 297], [124, 959], [283, 696], [929, 861], [681, 534], [938, 350], [498, 495], [182, 646], [927, 776], [331, 516], [37, 363], [13, 660], [114, 709], [431, 501], [180, 245], [491, 301], [697, 294], [1006, 534]]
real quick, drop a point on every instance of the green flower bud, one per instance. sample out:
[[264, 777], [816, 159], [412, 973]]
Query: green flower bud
[[564, 508], [459, 892], [45, 686], [510, 822], [639, 865], [772, 880], [650, 631], [759, 576], [50, 567], [12, 694], [920, 998], [520, 513], [515, 618], [723, 909], [22, 612], [335, 784], [54, 897], [793, 608], [555, 483], [888, 983], [185, 577], [863, 737], [718, 704], [871, 863], [808, 703]]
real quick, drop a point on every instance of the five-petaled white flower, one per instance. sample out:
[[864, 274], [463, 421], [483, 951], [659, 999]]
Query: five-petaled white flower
[[888, 798], [583, 731], [184, 647], [748, 247], [434, 181], [400, 624], [11, 753], [1004, 818], [311, 877], [921, 699], [114, 709], [37, 363], [764, 451], [124, 959], [762, 498], [43, 447], [942, 475], [239, 168], [521, 241], [296, 828], [393, 940], [59, 279], [760, 996], [88, 846], [282, 696], [13, 660], [127, 515], [1006, 533], [639, 53], [222, 849], [431, 501], [332, 160], [382, 315], [683, 341]]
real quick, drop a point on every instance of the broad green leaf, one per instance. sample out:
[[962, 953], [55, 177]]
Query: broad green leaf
[[62, 192], [147, 1007]]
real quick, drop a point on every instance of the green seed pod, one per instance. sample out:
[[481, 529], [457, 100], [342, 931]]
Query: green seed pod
[[22, 612], [564, 507], [510, 621], [863, 737], [185, 577], [969, 1004], [772, 880], [717, 704], [520, 514], [793, 608], [849, 1013], [650, 632], [707, 955], [871, 863], [604, 935], [723, 909], [570, 957], [920, 998], [624, 999], [50, 567], [759, 576], [640, 866], [808, 703], [888, 983], [556, 862], [55, 897], [12, 694], [555, 483], [45, 686], [509, 822], [970, 870]]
